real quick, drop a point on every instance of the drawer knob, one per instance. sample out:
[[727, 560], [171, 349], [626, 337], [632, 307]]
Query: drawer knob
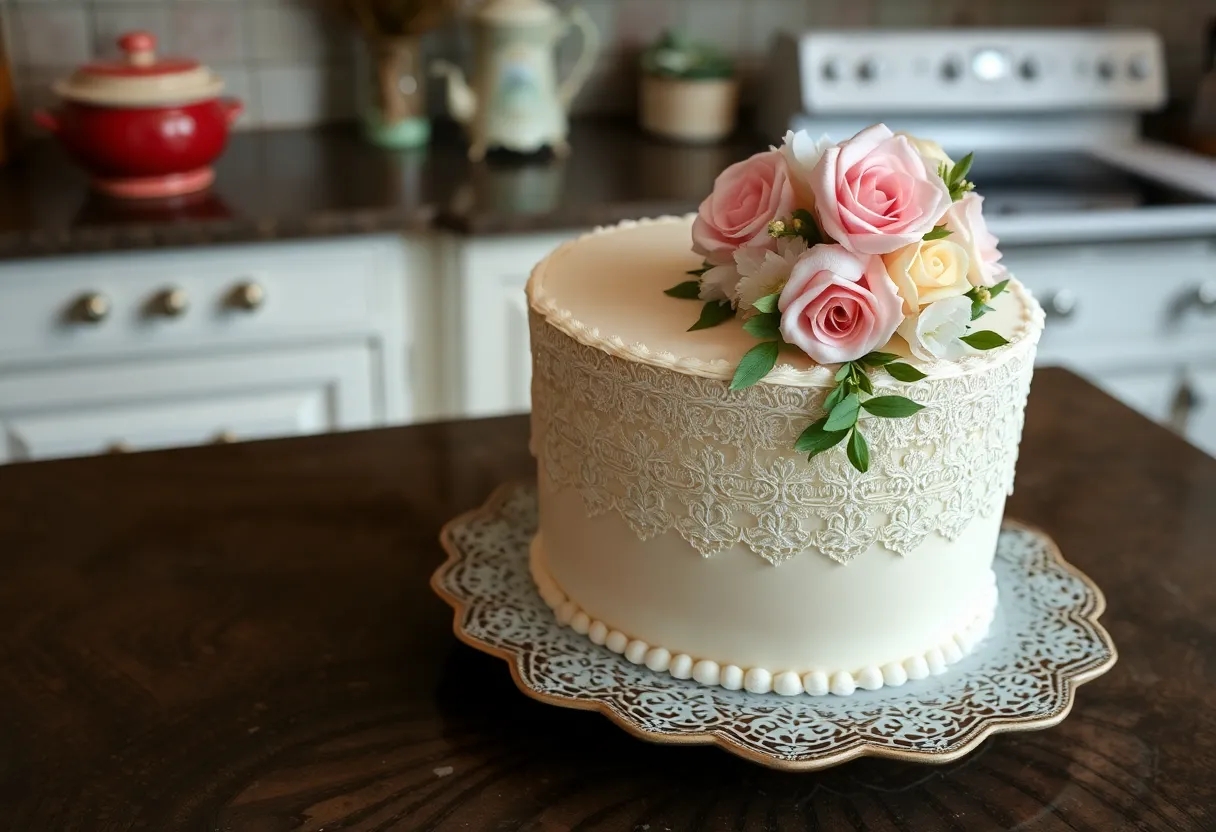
[[90, 308], [119, 447], [248, 296], [171, 303], [1060, 304], [224, 437]]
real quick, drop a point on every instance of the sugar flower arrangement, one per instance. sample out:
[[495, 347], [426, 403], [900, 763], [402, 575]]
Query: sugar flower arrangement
[[836, 248]]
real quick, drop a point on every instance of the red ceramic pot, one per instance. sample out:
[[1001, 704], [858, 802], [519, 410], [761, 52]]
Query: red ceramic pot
[[143, 127]]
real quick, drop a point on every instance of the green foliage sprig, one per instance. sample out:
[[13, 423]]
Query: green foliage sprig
[[955, 176]]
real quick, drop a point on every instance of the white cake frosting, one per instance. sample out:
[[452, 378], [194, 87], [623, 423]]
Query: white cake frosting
[[679, 528]]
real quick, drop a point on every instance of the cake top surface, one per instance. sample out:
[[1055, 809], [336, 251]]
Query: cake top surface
[[605, 289]]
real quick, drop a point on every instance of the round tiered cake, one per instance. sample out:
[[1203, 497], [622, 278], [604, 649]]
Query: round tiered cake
[[721, 506]]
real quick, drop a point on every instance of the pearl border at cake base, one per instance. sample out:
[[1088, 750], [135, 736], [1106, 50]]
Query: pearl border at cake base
[[1044, 641]]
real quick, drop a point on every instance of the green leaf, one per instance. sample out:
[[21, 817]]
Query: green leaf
[[892, 407], [815, 440], [714, 312], [905, 372], [960, 170], [845, 370], [998, 288], [700, 271], [755, 364], [859, 451], [938, 233], [844, 414], [985, 339], [979, 309], [768, 303], [763, 326], [688, 290], [864, 384], [878, 359], [834, 397]]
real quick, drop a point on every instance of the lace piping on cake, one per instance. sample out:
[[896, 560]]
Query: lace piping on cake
[[932, 662], [670, 450], [783, 374]]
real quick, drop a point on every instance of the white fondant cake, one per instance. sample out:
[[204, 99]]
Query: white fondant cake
[[678, 525]]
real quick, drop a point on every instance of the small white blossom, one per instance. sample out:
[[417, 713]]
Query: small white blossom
[[936, 331], [764, 272], [720, 282]]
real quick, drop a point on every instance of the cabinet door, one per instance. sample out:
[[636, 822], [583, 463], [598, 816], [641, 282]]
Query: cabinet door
[[160, 404], [496, 366]]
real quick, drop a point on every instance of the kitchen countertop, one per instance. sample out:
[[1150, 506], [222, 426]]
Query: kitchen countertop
[[242, 637], [315, 183]]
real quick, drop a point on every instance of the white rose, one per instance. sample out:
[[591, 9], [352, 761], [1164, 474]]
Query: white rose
[[928, 271], [765, 272], [929, 150], [801, 154], [936, 331]]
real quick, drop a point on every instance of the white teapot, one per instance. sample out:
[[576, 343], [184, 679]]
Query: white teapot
[[515, 101]]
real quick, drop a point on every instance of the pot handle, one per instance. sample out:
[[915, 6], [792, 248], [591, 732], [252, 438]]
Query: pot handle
[[47, 120], [232, 107]]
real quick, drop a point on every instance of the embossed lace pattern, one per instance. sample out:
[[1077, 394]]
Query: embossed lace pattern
[[668, 450]]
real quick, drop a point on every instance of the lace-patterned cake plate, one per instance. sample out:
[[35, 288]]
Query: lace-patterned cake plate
[[1045, 641]]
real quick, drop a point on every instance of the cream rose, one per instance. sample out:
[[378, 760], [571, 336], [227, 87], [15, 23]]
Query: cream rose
[[929, 150], [928, 271], [937, 330]]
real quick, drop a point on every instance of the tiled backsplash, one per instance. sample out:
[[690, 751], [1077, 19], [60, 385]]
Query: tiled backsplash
[[293, 61]]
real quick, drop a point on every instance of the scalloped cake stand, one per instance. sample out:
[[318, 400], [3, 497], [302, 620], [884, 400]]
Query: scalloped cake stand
[[1045, 641]]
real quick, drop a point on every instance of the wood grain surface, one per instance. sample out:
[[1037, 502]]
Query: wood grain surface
[[242, 638]]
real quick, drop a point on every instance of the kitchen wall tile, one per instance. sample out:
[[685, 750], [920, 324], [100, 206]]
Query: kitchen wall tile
[[51, 34], [239, 84], [638, 22], [300, 94], [33, 91], [298, 32], [213, 32], [845, 15], [768, 17], [720, 22], [611, 88], [112, 20]]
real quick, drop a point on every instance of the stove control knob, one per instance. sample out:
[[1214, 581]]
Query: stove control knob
[[1205, 296], [1106, 69], [1028, 69], [868, 70], [1138, 68], [831, 70], [1060, 304], [952, 69]]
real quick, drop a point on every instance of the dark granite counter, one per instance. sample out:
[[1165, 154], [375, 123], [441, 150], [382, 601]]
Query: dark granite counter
[[316, 183]]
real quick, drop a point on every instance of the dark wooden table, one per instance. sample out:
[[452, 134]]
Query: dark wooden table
[[242, 638]]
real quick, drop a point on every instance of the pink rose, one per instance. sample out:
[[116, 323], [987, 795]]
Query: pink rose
[[965, 220], [838, 305], [747, 196], [875, 193]]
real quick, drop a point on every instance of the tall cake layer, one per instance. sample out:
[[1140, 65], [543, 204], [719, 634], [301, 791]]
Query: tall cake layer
[[679, 526]]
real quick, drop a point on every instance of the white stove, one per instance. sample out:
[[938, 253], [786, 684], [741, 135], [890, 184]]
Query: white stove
[[1115, 234]]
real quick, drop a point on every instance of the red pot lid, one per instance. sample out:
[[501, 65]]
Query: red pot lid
[[140, 78]]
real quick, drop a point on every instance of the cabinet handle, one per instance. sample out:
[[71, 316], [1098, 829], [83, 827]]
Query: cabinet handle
[[90, 308], [119, 447], [1060, 304], [224, 437], [1185, 402], [248, 296], [171, 303]]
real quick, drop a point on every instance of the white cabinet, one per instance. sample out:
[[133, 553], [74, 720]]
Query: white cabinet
[[494, 368], [146, 350], [221, 398]]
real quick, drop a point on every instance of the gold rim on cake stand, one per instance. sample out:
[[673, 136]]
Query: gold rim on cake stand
[[967, 700]]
